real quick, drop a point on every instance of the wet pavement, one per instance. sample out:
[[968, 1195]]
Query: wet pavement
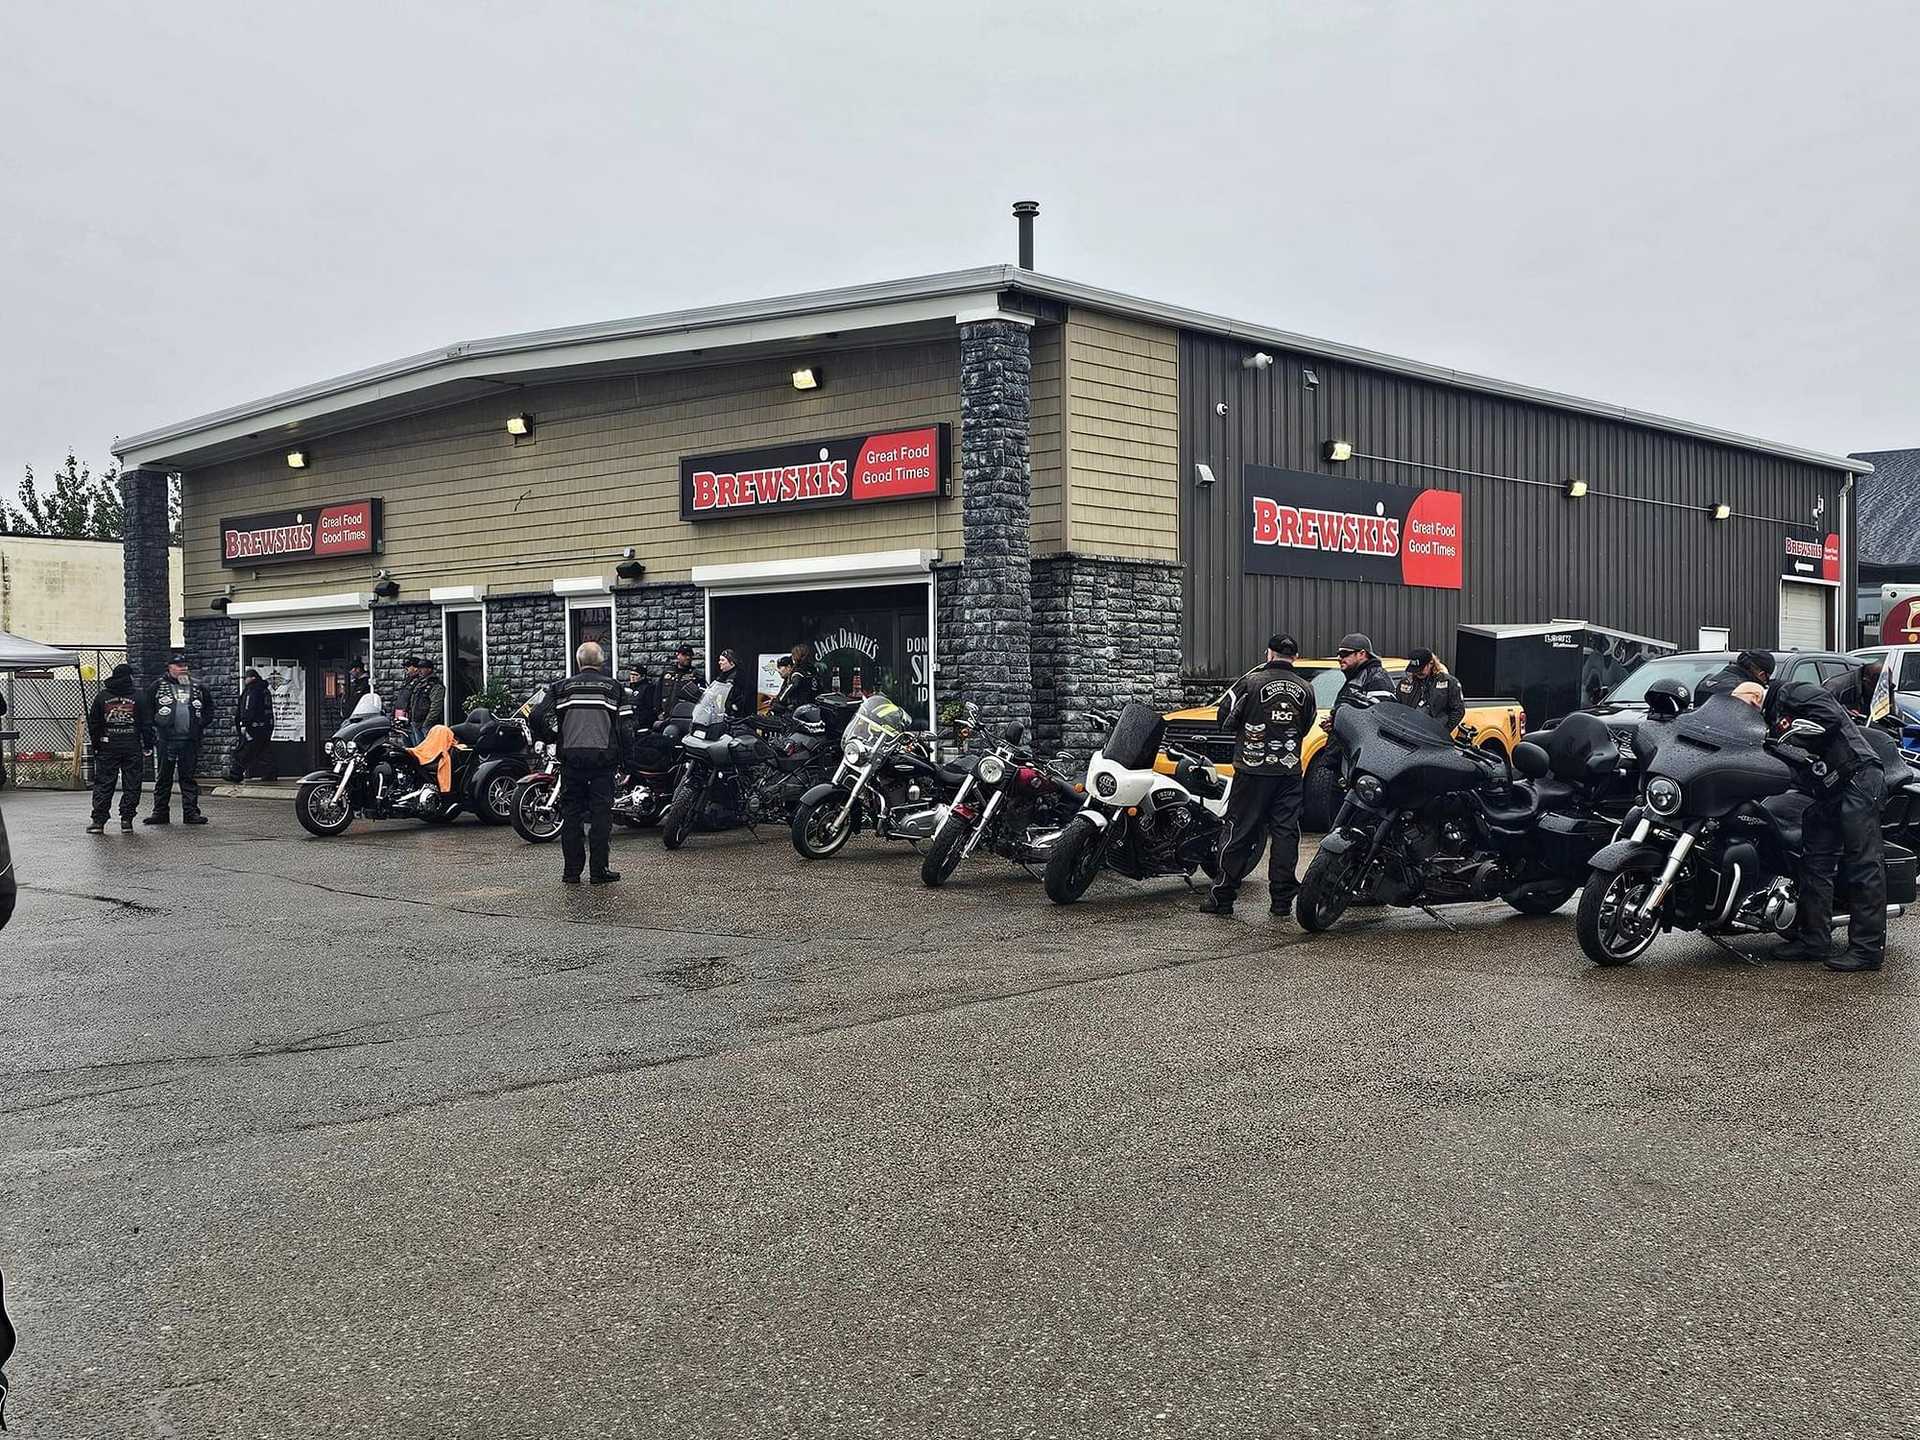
[[394, 1135]]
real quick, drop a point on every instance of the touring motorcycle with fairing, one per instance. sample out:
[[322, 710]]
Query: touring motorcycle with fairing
[[374, 776], [750, 771], [887, 781]]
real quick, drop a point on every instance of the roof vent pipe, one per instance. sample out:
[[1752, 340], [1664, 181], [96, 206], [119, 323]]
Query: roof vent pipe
[[1024, 211]]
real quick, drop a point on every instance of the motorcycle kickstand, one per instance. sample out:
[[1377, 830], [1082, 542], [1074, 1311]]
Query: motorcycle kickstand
[[1743, 959], [1437, 918]]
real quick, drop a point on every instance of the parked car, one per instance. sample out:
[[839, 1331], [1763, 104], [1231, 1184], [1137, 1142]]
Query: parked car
[[1495, 724]]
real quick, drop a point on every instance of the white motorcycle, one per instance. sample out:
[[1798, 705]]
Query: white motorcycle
[[1136, 821]]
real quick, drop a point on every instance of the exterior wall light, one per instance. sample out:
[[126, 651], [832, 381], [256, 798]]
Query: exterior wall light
[[386, 587], [296, 459], [1309, 379], [1722, 510], [807, 378], [1337, 450], [1203, 475], [519, 424], [219, 604], [1576, 489], [1259, 360]]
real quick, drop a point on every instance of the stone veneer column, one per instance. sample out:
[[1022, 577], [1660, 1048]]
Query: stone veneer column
[[149, 599], [988, 655]]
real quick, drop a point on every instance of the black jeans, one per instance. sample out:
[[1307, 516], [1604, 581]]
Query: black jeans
[[126, 769], [586, 799], [1841, 836], [1259, 808], [181, 757], [250, 756]]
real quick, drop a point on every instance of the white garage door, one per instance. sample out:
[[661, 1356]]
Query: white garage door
[[1803, 616]]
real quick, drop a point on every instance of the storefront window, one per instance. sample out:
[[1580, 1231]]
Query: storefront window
[[865, 641], [466, 660], [590, 622]]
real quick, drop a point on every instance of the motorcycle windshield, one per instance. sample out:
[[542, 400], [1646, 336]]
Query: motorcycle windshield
[[369, 707], [711, 708], [1406, 749], [878, 722], [1717, 755]]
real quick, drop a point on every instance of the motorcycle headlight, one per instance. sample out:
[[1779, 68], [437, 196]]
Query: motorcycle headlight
[[991, 770], [856, 752], [1663, 796], [327, 749], [343, 747], [1369, 790], [1104, 785]]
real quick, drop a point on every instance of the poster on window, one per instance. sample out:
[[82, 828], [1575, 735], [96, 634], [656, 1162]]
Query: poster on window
[[770, 672], [287, 685]]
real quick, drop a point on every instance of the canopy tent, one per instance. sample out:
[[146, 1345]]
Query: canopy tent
[[19, 653]]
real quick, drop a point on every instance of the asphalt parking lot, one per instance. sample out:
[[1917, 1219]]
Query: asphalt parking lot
[[393, 1135]]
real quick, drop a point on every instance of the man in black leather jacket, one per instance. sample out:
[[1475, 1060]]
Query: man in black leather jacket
[[679, 682], [796, 687], [1366, 676], [592, 713], [1270, 710], [1748, 667], [1425, 686], [1840, 833]]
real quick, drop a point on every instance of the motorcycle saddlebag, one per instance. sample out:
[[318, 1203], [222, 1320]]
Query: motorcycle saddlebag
[[500, 737], [1134, 740], [1900, 875]]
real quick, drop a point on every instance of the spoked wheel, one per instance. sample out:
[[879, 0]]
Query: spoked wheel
[[1075, 861], [943, 855], [822, 827], [1610, 928], [1327, 889], [318, 812], [535, 821], [496, 805]]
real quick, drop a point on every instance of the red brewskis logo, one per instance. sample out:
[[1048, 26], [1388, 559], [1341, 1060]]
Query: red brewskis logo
[[1334, 528], [1339, 530], [851, 470]]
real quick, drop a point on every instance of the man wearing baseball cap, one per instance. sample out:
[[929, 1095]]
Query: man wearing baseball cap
[[1270, 710], [1426, 686], [1748, 667], [1366, 676]]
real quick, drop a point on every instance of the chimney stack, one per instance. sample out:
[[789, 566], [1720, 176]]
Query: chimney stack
[[1024, 211]]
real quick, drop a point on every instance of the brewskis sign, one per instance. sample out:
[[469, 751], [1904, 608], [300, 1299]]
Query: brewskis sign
[[1332, 528], [814, 474], [319, 532]]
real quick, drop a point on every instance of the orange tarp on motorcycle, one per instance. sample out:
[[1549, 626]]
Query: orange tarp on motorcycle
[[437, 750]]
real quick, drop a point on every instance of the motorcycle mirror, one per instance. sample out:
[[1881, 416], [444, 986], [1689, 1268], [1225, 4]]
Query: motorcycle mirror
[[1804, 730]]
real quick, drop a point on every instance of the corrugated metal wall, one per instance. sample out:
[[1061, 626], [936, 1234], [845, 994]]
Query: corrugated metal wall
[[1531, 553]]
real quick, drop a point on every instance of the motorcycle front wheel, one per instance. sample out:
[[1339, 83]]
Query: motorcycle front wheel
[[1610, 930], [1326, 890], [533, 821], [679, 822], [1075, 861], [943, 855], [819, 829], [318, 812]]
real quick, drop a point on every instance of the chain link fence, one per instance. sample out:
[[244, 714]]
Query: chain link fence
[[46, 720]]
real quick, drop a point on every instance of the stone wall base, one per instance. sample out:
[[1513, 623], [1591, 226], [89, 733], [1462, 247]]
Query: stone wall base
[[1104, 632]]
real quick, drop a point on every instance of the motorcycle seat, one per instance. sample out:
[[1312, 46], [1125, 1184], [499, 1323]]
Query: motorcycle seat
[[467, 732]]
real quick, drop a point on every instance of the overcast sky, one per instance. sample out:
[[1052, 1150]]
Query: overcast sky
[[1702, 209]]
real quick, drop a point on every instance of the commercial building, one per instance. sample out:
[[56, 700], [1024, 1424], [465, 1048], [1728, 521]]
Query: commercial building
[[994, 483], [71, 593]]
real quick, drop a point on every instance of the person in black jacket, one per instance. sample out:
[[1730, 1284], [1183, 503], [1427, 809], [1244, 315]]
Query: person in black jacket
[[679, 682], [1749, 667], [358, 684], [1840, 833], [1425, 686], [592, 713], [253, 724], [179, 709], [1366, 676], [743, 698], [796, 686], [120, 727], [1270, 710]]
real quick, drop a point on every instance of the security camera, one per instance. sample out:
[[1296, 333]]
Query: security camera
[[1220, 407], [1259, 360]]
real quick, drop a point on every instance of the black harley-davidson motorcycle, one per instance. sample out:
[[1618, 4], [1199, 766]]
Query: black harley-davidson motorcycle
[[503, 756], [887, 781], [750, 771], [1714, 844], [374, 778], [1431, 820], [1134, 820], [641, 794], [1009, 802]]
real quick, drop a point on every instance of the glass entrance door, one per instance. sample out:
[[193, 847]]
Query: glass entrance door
[[465, 662]]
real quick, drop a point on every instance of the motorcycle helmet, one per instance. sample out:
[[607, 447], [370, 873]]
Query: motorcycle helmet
[[809, 719], [1668, 698]]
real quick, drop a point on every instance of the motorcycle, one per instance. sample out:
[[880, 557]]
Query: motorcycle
[[1025, 810], [887, 779], [373, 776], [536, 799], [652, 775], [1428, 819], [503, 758], [1136, 821], [751, 771], [1714, 845]]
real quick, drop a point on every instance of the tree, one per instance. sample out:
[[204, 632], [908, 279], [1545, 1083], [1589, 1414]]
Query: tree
[[80, 506]]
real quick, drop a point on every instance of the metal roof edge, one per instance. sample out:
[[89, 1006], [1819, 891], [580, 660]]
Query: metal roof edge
[[954, 282], [1073, 292]]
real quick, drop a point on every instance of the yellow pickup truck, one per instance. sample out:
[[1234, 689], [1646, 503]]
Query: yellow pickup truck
[[1495, 724]]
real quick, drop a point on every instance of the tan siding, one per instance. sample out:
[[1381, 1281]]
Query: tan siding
[[465, 505], [1123, 437], [1048, 455]]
